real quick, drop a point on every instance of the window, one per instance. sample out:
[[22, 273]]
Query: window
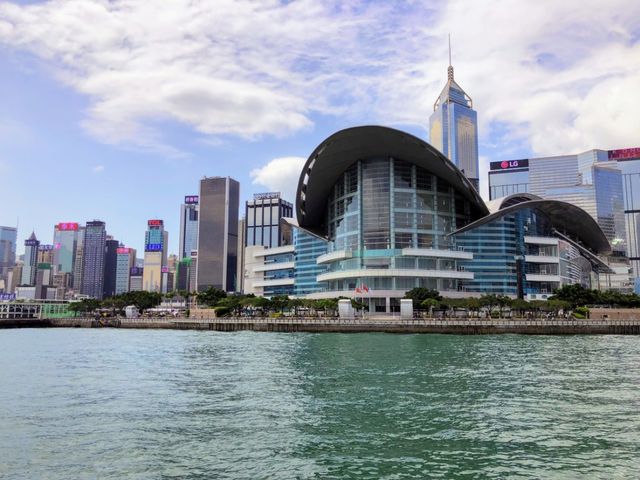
[[425, 201], [423, 180], [425, 240], [403, 199], [404, 240], [401, 174], [424, 221], [403, 219]]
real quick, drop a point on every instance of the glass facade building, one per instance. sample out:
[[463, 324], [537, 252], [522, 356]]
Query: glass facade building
[[262, 219], [125, 261], [307, 248], [397, 214], [453, 128], [218, 234], [8, 242], [95, 238], [30, 265], [188, 226]]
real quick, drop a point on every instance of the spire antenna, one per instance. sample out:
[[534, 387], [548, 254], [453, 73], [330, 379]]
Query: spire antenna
[[450, 69]]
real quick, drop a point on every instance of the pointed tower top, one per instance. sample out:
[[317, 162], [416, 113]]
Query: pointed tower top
[[450, 69], [33, 236]]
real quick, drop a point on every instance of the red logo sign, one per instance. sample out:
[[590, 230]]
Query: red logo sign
[[123, 250], [624, 153], [155, 223], [504, 164], [68, 226]]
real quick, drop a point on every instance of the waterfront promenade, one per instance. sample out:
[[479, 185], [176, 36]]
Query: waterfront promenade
[[373, 324]]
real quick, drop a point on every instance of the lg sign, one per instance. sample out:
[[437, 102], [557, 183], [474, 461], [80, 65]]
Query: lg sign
[[509, 164]]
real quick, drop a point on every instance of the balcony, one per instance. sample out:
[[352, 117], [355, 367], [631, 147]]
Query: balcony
[[334, 256], [437, 253], [541, 259], [541, 240], [392, 272], [543, 277]]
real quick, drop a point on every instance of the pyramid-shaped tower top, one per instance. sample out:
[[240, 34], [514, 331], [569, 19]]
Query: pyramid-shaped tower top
[[452, 92], [33, 236]]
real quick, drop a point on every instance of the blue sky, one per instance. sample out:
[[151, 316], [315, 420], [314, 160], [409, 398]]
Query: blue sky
[[106, 114]]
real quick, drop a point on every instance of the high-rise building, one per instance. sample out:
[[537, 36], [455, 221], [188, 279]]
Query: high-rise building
[[110, 267], [453, 127], [95, 238], [8, 240], [125, 261], [188, 226], [588, 180], [65, 244], [241, 253], [46, 253], [307, 250], [155, 255], [218, 233], [262, 217], [135, 280], [78, 257], [30, 266]]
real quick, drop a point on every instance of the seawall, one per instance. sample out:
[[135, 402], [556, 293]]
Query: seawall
[[387, 325]]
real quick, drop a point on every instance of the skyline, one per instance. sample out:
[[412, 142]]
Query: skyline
[[113, 119]]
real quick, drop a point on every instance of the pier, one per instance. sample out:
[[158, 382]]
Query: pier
[[359, 325]]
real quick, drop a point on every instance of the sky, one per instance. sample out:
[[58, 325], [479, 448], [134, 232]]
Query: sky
[[114, 110]]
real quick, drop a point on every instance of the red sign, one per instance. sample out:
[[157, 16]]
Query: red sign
[[68, 226], [123, 250], [624, 154], [155, 223]]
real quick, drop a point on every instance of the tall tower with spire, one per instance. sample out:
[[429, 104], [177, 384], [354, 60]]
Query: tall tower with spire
[[453, 127], [30, 267]]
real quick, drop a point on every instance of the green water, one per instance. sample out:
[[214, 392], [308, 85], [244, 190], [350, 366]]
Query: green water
[[81, 403]]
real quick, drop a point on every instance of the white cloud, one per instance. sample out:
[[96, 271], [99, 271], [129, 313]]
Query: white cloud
[[98, 169], [280, 175], [558, 76]]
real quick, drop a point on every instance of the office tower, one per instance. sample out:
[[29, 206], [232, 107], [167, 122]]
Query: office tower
[[110, 267], [65, 243], [241, 253], [218, 233], [453, 127], [508, 177], [30, 265], [155, 255], [77, 262], [135, 280], [8, 241], [262, 216], [95, 237], [182, 274], [125, 261], [193, 272], [45, 254], [188, 226]]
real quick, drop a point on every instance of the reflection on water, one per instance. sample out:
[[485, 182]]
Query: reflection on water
[[171, 404]]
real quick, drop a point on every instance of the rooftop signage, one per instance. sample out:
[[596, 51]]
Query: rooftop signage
[[510, 164], [624, 154], [45, 248], [266, 196], [123, 250], [153, 247], [191, 200], [155, 223], [31, 243], [68, 226], [136, 271], [7, 297]]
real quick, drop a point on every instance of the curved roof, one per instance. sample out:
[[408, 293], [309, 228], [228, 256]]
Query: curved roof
[[334, 155], [565, 217], [509, 200]]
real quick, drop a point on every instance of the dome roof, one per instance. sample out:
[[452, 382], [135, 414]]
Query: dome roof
[[335, 154]]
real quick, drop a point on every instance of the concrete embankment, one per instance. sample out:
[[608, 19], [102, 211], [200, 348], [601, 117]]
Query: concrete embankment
[[388, 325]]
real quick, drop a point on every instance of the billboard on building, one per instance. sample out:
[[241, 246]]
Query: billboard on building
[[510, 164]]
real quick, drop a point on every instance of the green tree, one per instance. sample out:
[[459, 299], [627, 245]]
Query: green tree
[[211, 296], [420, 294]]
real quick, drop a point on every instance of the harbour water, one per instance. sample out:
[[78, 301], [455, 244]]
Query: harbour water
[[162, 404]]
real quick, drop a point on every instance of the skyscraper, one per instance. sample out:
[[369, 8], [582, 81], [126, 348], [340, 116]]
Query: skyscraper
[[30, 266], [125, 261], [110, 267], [78, 264], [155, 255], [95, 237], [218, 233], [8, 240], [453, 127], [188, 226], [65, 243], [262, 219]]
